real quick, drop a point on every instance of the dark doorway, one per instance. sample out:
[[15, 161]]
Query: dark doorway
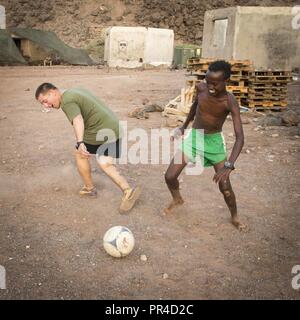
[[17, 42]]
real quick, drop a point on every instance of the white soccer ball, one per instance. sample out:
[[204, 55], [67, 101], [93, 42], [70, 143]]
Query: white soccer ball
[[118, 241]]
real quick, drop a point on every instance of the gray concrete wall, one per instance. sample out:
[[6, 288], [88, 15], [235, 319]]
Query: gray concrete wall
[[132, 47], [264, 35], [159, 47], [2, 18], [212, 42], [125, 46]]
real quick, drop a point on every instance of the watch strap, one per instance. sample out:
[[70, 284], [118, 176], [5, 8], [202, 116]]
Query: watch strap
[[79, 143], [229, 165]]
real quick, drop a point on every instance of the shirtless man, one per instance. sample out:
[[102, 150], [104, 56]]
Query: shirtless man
[[89, 116], [210, 109]]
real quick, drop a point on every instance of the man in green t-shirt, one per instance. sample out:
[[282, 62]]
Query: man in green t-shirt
[[97, 131]]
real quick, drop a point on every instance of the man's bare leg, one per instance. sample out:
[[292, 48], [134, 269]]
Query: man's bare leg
[[130, 194], [171, 177], [229, 197], [106, 164], [84, 169]]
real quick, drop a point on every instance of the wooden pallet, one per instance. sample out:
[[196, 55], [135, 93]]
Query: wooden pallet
[[240, 72], [269, 89], [266, 104], [259, 89], [199, 61], [193, 61], [193, 82], [286, 73], [266, 93], [200, 76], [237, 78], [267, 85], [240, 96], [234, 73], [238, 89], [266, 97], [274, 108], [239, 83], [234, 70], [180, 106], [240, 92], [235, 63], [245, 68], [270, 79], [203, 64], [200, 71], [240, 63]]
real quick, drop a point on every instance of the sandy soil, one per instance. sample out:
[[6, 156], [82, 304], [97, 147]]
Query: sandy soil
[[51, 239]]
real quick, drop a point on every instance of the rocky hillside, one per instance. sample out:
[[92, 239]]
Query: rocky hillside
[[80, 22]]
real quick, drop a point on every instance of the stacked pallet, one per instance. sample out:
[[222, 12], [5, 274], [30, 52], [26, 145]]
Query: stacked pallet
[[268, 89], [239, 79], [178, 108], [258, 89], [239, 71]]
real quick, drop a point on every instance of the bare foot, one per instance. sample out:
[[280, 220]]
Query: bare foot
[[174, 204], [240, 226]]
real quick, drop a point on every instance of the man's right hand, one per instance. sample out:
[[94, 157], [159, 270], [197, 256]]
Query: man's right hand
[[83, 151], [177, 133]]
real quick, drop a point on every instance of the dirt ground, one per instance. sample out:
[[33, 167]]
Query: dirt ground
[[51, 239]]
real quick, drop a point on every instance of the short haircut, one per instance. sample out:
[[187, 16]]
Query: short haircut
[[43, 88], [221, 65]]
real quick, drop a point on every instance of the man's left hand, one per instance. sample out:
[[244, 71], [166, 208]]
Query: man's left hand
[[83, 151]]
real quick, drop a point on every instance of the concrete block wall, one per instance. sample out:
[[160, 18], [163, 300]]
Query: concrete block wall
[[132, 47], [2, 17], [268, 36]]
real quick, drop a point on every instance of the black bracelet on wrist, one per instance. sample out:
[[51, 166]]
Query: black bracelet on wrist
[[78, 144]]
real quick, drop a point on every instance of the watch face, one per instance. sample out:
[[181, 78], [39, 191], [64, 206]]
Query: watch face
[[227, 164]]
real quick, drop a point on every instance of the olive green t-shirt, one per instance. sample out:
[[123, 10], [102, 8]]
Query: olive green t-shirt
[[96, 115]]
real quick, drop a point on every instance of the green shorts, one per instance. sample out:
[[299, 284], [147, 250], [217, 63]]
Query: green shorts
[[210, 148]]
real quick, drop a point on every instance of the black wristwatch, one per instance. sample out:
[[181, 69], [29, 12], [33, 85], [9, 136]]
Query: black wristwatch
[[229, 165], [78, 144]]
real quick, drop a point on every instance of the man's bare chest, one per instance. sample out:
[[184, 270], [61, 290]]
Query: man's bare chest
[[217, 107]]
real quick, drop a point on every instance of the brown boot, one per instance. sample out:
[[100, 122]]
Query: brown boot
[[129, 199], [88, 192]]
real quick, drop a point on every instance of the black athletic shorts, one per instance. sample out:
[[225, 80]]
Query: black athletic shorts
[[112, 149]]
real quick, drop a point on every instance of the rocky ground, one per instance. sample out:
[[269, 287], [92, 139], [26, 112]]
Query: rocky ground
[[51, 239], [80, 22]]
